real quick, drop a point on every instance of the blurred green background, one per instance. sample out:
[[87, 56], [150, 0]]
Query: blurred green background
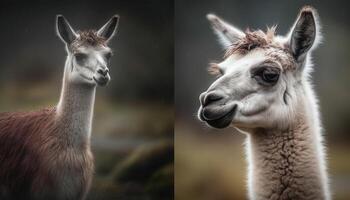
[[132, 137], [210, 164]]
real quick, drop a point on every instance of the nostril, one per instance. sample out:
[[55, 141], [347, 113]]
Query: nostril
[[211, 97], [103, 72]]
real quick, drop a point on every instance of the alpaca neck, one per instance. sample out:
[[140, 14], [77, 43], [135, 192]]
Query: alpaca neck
[[288, 164], [75, 110]]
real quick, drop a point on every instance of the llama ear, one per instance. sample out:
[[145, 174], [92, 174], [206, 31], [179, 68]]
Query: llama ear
[[305, 33], [64, 30], [108, 30], [227, 33]]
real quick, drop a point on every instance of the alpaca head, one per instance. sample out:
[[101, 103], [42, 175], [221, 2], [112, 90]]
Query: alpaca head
[[260, 81], [88, 53]]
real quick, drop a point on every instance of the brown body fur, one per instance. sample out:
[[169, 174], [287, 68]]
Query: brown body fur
[[45, 155], [34, 155]]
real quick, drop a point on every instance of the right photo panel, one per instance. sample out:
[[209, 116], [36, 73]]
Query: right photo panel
[[262, 100]]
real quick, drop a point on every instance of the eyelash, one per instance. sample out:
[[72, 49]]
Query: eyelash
[[265, 75]]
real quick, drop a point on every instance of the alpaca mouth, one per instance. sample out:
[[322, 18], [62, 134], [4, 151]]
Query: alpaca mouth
[[101, 81], [221, 122]]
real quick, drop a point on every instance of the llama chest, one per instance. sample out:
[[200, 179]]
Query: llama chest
[[70, 175], [74, 173]]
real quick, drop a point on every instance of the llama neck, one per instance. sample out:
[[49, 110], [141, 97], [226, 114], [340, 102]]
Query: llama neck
[[288, 164], [75, 110]]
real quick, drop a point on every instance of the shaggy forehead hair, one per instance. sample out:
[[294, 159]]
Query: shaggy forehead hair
[[88, 38], [259, 39]]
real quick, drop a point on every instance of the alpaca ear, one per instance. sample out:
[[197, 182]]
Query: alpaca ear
[[64, 30], [227, 33], [108, 30], [305, 33]]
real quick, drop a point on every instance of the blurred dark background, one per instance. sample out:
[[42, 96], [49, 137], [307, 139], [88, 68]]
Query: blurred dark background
[[210, 164], [132, 136]]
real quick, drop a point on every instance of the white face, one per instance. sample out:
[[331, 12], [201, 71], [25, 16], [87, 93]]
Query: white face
[[88, 53], [89, 65], [261, 86], [251, 92]]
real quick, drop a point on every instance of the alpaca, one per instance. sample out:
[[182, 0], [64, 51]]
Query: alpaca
[[46, 154], [263, 90]]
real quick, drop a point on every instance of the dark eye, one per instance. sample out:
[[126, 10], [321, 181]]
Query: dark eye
[[80, 57], [108, 55], [267, 76]]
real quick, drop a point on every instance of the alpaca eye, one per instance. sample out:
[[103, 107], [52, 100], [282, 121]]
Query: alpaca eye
[[266, 76], [108, 55], [80, 57], [270, 76]]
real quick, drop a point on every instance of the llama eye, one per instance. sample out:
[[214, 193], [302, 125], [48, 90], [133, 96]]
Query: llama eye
[[108, 55], [80, 57], [267, 76], [270, 76]]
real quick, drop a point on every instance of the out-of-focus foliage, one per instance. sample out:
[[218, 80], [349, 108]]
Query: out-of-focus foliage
[[210, 163]]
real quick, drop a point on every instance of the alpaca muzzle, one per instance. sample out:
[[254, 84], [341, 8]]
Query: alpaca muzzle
[[215, 110], [102, 77]]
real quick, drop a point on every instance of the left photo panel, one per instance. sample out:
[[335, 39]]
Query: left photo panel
[[86, 104]]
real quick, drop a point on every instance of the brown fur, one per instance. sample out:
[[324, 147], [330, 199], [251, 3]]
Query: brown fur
[[32, 153], [88, 38], [252, 40], [214, 69], [259, 39]]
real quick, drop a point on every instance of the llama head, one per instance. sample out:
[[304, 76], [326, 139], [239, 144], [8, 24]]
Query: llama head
[[88, 52], [260, 81]]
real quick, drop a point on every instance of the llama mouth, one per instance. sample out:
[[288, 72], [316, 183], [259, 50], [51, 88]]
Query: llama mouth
[[85, 77], [222, 122], [101, 81]]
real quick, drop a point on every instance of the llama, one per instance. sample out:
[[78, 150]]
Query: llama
[[263, 90], [46, 154]]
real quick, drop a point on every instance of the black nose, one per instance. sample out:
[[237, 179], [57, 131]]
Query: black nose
[[103, 72], [209, 98]]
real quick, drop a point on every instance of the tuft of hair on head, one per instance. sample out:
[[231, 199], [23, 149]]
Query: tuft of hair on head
[[91, 37], [214, 69], [271, 32], [88, 38], [252, 40]]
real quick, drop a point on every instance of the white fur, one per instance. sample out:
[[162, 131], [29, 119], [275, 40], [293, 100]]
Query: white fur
[[75, 113], [284, 114], [226, 38]]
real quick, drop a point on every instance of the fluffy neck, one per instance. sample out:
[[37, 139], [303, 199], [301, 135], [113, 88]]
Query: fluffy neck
[[75, 110], [289, 164]]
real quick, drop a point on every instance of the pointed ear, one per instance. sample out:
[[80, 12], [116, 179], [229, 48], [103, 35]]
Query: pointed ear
[[305, 33], [108, 30], [227, 33], [64, 30]]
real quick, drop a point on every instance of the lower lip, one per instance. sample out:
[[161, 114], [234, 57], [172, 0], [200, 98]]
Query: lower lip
[[99, 82], [223, 121]]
